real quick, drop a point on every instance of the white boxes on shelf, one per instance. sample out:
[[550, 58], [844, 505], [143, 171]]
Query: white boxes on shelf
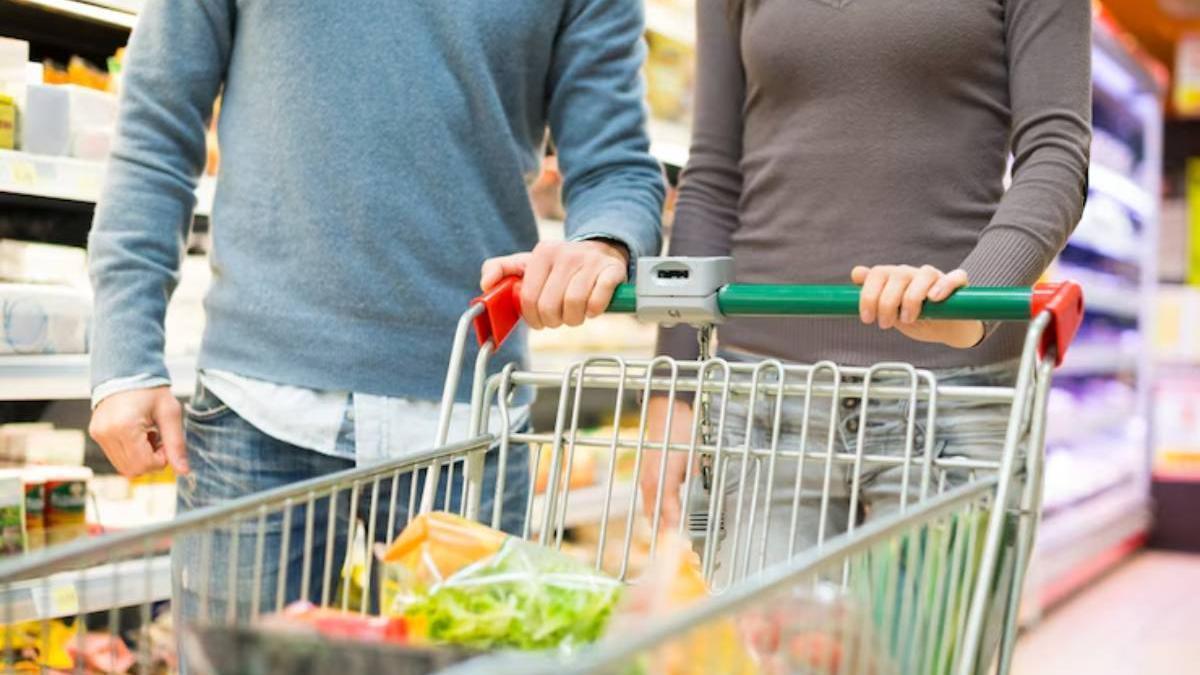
[[56, 115], [43, 319]]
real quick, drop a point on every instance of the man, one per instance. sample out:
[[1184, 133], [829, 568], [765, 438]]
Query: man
[[374, 155]]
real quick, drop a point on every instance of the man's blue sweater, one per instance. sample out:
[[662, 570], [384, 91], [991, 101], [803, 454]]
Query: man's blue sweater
[[374, 153]]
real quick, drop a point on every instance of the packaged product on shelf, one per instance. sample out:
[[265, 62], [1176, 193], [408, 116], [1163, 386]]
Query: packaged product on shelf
[[60, 447], [46, 120], [82, 73], [458, 582], [10, 431], [92, 142], [28, 262], [14, 54], [116, 69], [55, 112], [66, 502], [35, 508], [12, 512], [54, 73], [8, 122], [41, 319]]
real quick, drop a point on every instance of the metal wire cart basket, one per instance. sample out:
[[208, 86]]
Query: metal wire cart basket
[[836, 526]]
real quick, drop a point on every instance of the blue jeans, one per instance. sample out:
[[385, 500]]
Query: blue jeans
[[963, 429], [230, 458]]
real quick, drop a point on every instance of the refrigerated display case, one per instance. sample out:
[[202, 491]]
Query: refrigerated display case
[[1098, 458]]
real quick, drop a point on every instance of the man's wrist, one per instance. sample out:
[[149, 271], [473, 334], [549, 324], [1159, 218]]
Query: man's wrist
[[123, 384]]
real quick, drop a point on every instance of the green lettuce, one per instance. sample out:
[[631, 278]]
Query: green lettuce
[[525, 597]]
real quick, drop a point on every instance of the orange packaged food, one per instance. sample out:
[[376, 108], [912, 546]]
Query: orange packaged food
[[436, 545]]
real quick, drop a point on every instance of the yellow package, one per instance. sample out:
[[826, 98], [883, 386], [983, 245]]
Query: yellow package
[[672, 583], [8, 122]]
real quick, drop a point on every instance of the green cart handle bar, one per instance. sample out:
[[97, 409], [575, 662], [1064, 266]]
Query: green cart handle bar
[[1062, 300]]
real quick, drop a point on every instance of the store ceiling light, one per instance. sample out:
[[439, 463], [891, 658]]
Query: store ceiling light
[[86, 10]]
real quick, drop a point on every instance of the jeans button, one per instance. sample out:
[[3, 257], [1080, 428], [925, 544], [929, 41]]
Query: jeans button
[[850, 403], [852, 425]]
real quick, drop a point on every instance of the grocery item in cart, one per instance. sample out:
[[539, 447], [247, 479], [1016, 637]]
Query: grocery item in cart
[[458, 582], [34, 646], [673, 582], [815, 629], [304, 618]]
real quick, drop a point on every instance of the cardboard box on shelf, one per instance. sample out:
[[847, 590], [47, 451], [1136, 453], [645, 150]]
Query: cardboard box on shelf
[[26, 262], [46, 120], [36, 444], [42, 319], [56, 113]]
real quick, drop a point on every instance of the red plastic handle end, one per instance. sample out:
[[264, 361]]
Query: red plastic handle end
[[1064, 301], [501, 312]]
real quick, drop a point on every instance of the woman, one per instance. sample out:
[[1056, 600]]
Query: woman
[[857, 140]]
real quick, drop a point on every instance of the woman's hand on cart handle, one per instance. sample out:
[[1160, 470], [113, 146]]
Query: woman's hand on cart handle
[[892, 297], [563, 282], [141, 431], [676, 467]]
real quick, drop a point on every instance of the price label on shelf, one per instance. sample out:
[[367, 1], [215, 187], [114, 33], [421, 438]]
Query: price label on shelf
[[22, 173]]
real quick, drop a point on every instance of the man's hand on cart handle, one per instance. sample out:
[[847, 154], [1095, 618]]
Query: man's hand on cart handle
[[892, 296], [141, 431], [563, 282], [677, 467]]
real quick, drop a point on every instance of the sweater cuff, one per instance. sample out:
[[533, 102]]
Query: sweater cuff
[[123, 384], [1006, 256]]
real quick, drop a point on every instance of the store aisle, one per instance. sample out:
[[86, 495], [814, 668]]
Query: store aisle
[[1141, 620]]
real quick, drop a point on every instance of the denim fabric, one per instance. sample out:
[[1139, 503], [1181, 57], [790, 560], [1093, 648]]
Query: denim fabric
[[230, 458], [973, 430]]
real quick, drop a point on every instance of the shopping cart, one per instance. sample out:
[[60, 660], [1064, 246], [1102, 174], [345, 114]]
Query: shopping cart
[[930, 588]]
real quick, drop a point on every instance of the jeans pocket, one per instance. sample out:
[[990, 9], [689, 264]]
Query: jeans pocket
[[204, 406]]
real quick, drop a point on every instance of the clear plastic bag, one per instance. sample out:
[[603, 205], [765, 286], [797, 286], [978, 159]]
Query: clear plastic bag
[[458, 582]]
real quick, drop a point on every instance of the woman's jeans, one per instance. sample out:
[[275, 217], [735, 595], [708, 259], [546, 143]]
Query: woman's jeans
[[215, 572], [967, 429]]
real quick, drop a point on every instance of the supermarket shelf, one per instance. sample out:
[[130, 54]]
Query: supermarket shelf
[[585, 506], [1123, 189], [1070, 541], [1113, 299], [671, 21], [669, 141], [65, 377], [69, 179], [123, 584], [1104, 293], [114, 13], [1093, 359]]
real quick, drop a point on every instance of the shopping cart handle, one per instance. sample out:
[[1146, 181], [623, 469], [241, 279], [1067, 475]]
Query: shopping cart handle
[[1063, 300], [501, 312]]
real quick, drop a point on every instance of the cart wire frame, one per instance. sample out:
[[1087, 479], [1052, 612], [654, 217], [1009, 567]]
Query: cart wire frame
[[81, 578]]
